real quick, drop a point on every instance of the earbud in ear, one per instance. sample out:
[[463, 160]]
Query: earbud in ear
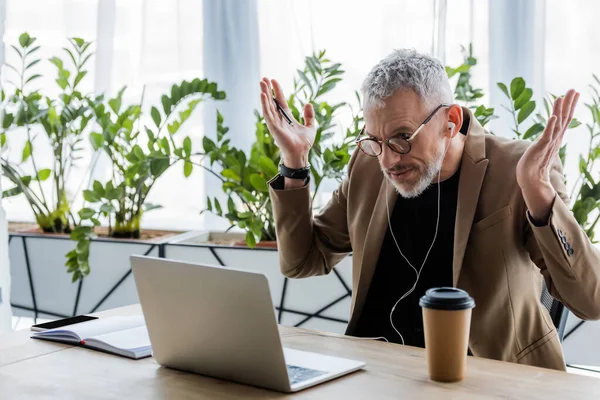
[[451, 125]]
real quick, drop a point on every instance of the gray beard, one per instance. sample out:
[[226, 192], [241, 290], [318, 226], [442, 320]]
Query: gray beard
[[431, 171]]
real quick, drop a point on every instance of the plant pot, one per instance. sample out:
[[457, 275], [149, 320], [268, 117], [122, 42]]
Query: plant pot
[[41, 286], [267, 244], [321, 303]]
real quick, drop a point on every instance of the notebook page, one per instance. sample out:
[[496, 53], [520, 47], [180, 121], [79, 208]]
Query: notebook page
[[135, 340]]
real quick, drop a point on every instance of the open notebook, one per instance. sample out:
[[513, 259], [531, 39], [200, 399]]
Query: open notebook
[[124, 336]]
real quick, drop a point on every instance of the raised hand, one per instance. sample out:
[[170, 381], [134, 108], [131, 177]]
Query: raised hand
[[294, 141], [533, 169]]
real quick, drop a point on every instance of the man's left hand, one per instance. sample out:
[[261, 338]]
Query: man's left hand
[[533, 169]]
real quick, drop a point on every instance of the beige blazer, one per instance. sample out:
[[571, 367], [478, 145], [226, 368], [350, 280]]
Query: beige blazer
[[499, 256]]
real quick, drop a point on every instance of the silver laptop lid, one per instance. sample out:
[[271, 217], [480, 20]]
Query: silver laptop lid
[[211, 320]]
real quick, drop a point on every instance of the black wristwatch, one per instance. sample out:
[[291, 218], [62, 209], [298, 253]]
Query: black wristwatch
[[301, 173]]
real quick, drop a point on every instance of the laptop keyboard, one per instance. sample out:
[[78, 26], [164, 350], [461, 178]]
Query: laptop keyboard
[[300, 374]]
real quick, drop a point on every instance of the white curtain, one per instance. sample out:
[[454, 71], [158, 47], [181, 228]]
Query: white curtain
[[517, 31], [570, 61], [5, 309], [231, 58]]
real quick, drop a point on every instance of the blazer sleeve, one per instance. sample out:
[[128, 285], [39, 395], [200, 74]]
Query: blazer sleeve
[[308, 245], [567, 259]]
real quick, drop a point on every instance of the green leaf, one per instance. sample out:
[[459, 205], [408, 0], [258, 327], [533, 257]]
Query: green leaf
[[87, 213], [583, 168], [31, 64], [2, 139], [306, 81], [574, 123], [150, 207], [43, 174], [58, 62], [115, 104], [230, 206], [159, 166], [79, 77], [229, 174], [26, 180], [90, 196], [107, 208], [259, 183], [151, 137], [526, 111], [246, 215], [187, 168], [504, 89], [164, 143], [267, 165], [99, 189], [533, 131], [62, 83], [97, 140], [208, 144], [523, 98], [24, 39], [562, 153], [166, 103], [175, 94], [174, 127], [250, 240], [32, 50], [15, 48], [187, 146], [156, 116], [26, 151], [516, 87], [208, 204], [64, 74], [139, 153], [218, 208], [80, 42], [85, 60], [33, 77], [7, 120]]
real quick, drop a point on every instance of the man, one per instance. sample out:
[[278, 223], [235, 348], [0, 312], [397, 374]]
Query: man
[[432, 200]]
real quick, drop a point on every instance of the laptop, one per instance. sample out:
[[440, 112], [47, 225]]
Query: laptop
[[221, 322]]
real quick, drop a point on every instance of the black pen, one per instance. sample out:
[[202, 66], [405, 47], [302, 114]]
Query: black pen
[[282, 111]]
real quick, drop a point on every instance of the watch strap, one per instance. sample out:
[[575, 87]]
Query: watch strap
[[301, 173]]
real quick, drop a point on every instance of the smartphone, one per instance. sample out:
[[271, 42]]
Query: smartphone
[[61, 322]]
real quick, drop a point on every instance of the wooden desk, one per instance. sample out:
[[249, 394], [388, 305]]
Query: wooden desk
[[31, 369]]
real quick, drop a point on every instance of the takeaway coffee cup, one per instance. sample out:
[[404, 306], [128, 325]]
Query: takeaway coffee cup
[[446, 321]]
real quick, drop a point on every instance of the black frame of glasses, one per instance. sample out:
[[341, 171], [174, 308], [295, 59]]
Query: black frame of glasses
[[408, 140]]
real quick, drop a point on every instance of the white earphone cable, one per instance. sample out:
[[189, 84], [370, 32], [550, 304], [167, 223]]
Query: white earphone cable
[[418, 273]]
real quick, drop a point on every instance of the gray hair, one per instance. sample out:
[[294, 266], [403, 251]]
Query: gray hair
[[406, 69]]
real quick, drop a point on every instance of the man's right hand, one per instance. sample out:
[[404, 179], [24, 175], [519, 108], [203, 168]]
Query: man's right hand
[[294, 141]]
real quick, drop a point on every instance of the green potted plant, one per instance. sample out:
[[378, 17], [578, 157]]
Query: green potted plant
[[139, 156], [136, 163], [61, 121], [244, 176]]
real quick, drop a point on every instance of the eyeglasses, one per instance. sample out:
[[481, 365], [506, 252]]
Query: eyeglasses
[[399, 144]]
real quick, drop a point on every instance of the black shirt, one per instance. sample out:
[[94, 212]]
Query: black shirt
[[413, 222]]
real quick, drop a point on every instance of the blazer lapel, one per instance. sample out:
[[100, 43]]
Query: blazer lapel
[[472, 172], [372, 247]]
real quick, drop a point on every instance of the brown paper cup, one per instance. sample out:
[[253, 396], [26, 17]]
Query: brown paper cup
[[446, 322]]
